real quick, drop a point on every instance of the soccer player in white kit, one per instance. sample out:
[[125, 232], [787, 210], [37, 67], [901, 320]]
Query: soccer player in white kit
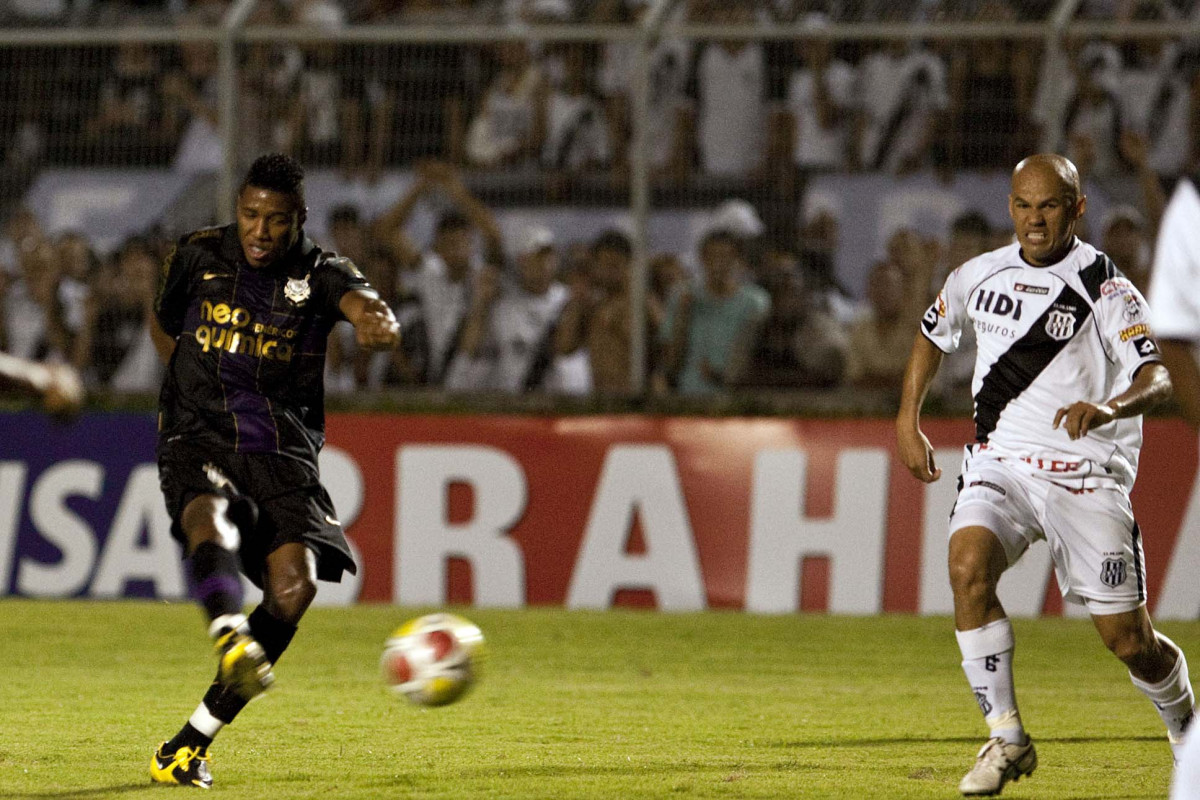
[[1175, 312], [1066, 366]]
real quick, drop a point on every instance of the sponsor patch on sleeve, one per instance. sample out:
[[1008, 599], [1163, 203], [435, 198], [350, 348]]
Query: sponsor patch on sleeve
[[930, 320], [1114, 286], [1133, 311], [1145, 346], [1141, 329]]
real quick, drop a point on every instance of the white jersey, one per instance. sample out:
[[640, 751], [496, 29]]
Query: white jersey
[[518, 327], [1048, 337], [1173, 301]]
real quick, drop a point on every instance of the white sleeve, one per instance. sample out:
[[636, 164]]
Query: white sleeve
[[943, 321], [1173, 301], [1124, 320]]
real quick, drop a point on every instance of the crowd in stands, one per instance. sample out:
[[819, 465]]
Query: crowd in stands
[[545, 311], [723, 108]]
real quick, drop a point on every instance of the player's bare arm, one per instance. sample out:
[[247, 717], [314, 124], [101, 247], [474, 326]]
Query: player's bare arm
[[1151, 386], [486, 291], [1185, 376], [57, 385], [164, 343], [375, 326], [914, 447], [389, 228]]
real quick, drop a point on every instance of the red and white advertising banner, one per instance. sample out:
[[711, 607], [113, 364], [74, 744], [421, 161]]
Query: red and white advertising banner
[[681, 514], [766, 515]]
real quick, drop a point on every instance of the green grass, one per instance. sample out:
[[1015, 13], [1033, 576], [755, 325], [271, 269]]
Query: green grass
[[573, 704]]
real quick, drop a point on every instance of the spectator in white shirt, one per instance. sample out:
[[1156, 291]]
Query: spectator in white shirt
[[1092, 127], [904, 97], [506, 341], [509, 125], [728, 85], [440, 277], [1156, 87], [819, 105], [576, 129], [669, 60]]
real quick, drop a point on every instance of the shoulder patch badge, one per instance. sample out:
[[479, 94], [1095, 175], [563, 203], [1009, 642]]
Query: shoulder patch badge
[[297, 290]]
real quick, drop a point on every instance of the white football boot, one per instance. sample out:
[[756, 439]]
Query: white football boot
[[997, 763]]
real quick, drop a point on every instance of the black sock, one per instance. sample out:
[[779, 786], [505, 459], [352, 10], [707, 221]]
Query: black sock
[[271, 632], [223, 703], [187, 737], [215, 576]]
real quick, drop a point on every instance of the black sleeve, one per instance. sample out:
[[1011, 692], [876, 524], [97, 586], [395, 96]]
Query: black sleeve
[[334, 277], [171, 301]]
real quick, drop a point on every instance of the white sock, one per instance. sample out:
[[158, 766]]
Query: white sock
[[987, 661], [228, 622], [1172, 696], [203, 720]]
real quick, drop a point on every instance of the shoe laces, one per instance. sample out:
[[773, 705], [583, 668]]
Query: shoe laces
[[184, 756], [994, 751]]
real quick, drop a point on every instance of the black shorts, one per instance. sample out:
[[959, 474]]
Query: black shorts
[[293, 506]]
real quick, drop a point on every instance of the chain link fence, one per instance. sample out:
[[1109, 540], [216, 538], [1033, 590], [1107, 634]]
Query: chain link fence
[[622, 199]]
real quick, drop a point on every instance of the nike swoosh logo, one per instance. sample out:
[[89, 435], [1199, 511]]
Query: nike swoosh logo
[[208, 276], [332, 521]]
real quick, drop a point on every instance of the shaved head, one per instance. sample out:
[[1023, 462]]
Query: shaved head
[[1052, 164], [1046, 202]]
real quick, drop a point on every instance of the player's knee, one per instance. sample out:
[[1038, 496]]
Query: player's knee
[[205, 520], [969, 573]]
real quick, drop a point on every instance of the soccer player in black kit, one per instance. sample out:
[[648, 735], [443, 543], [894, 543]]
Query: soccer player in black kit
[[243, 313]]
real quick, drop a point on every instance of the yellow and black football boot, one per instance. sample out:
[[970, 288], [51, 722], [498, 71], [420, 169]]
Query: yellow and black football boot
[[187, 766], [242, 664]]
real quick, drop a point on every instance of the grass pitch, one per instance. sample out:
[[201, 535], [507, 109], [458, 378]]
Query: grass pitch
[[573, 704]]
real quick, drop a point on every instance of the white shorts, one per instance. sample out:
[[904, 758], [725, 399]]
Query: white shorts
[[1094, 541]]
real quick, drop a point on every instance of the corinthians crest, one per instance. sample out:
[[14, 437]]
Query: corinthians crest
[[297, 290]]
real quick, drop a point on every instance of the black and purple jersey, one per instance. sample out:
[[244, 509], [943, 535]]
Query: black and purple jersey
[[247, 372]]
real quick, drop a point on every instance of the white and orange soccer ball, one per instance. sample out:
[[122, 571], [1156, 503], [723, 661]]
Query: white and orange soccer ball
[[433, 660]]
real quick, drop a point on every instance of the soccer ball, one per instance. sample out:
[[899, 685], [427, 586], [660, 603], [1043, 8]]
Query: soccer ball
[[432, 660]]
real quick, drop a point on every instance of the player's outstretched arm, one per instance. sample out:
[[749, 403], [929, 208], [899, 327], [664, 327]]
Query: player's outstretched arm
[[375, 326], [57, 385], [1151, 385], [915, 450]]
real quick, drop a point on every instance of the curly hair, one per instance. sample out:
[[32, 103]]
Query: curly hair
[[278, 173]]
